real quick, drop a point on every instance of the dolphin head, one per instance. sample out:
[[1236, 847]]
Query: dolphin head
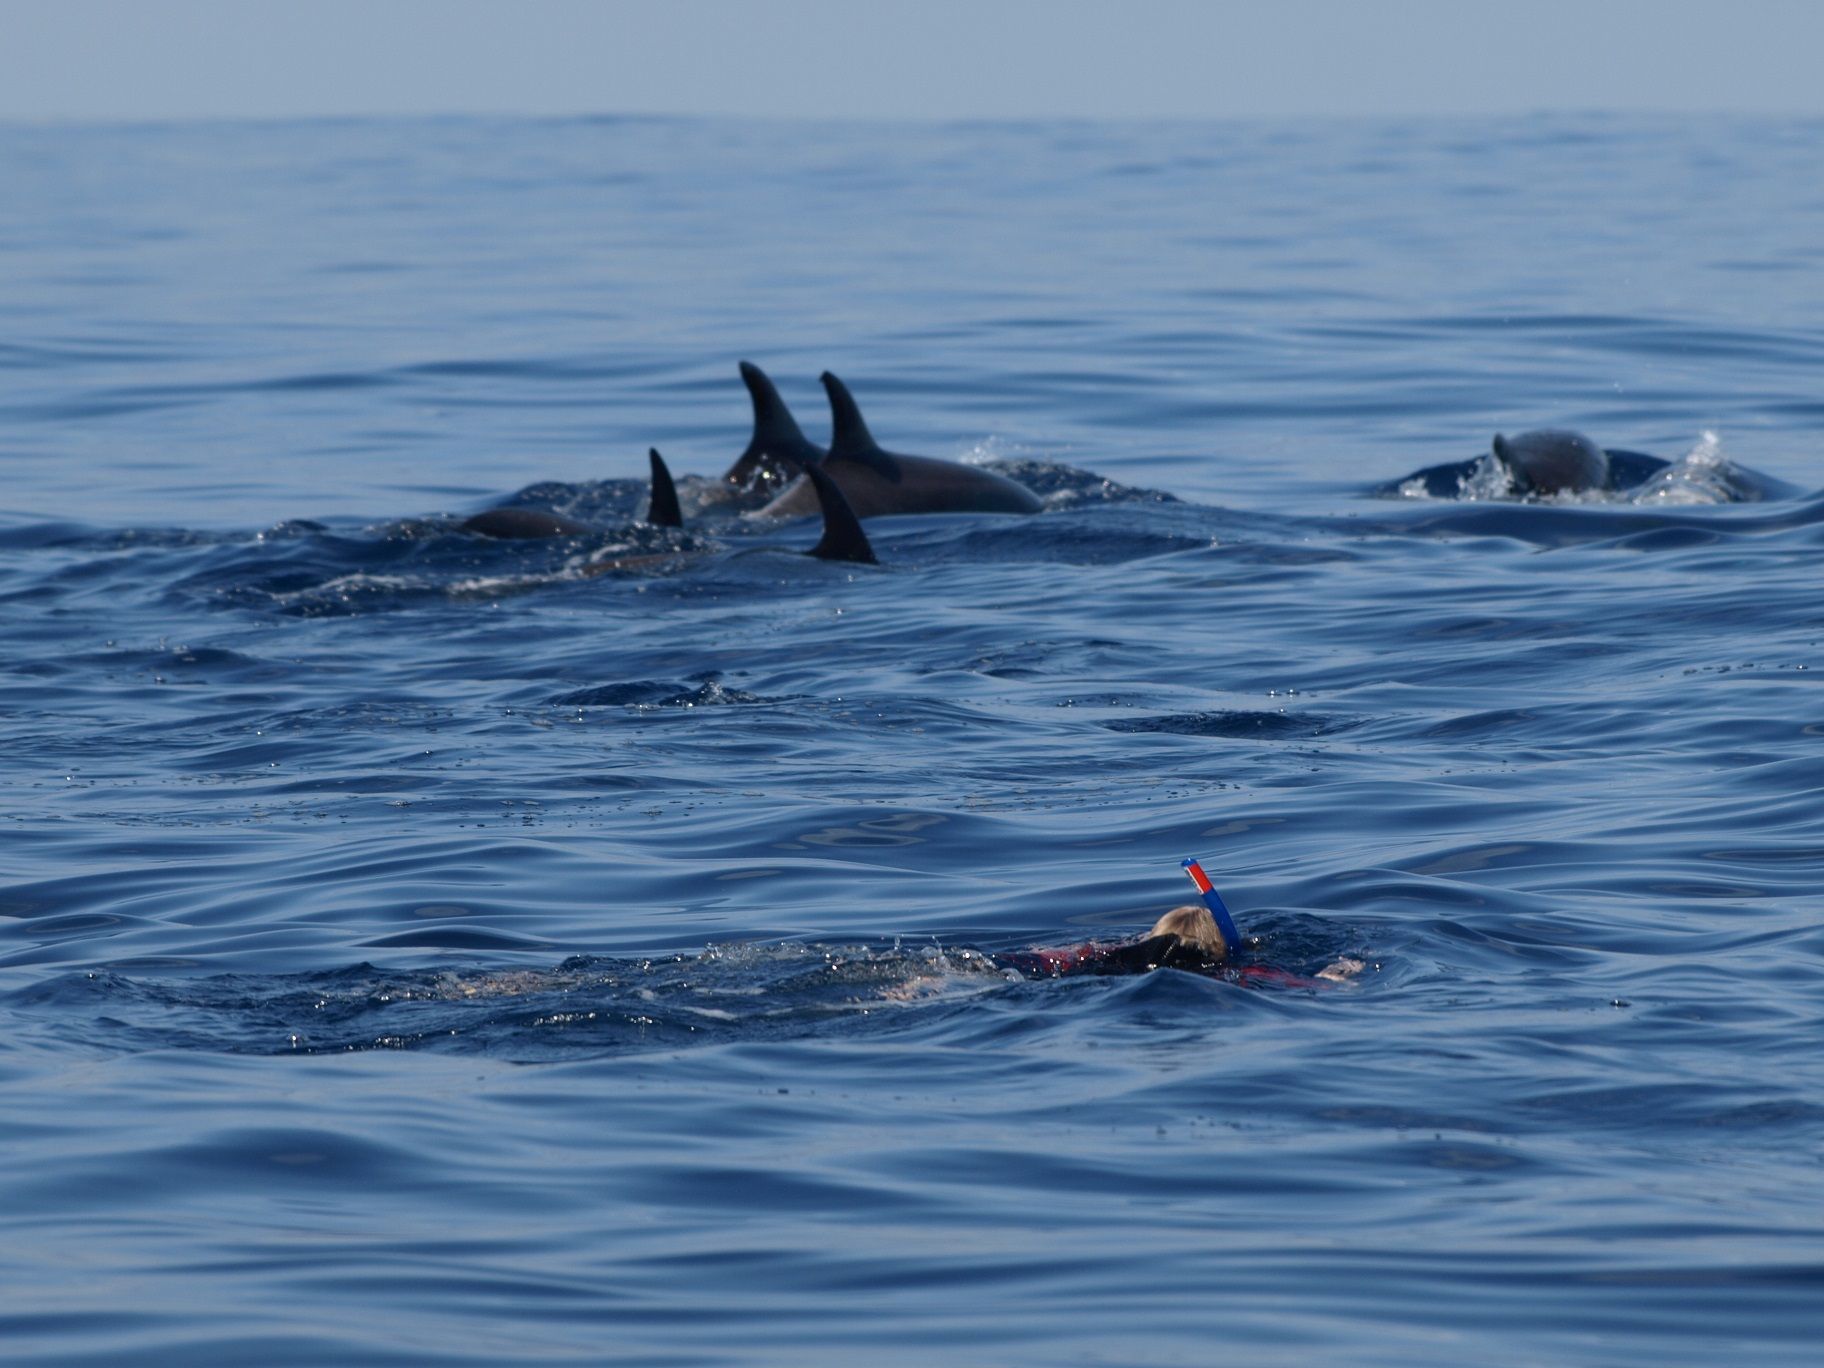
[[1553, 461], [778, 451]]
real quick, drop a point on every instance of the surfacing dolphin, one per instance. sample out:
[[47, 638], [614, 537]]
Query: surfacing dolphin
[[842, 540], [874, 481], [524, 524], [1542, 462]]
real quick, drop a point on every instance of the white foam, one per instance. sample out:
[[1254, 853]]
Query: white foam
[[1704, 476], [1487, 479]]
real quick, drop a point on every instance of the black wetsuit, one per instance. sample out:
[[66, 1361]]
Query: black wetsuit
[[1130, 957]]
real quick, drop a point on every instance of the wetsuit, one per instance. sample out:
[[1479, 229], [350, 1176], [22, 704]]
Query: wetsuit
[[1142, 957], [1129, 957]]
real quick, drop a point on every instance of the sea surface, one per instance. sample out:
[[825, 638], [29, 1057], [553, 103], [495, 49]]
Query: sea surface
[[420, 949]]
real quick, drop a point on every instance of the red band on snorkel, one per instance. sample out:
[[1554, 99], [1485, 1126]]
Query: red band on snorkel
[[1213, 900]]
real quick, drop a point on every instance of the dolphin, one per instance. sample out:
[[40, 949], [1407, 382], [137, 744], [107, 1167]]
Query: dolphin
[[842, 540], [1545, 461], [874, 481], [524, 524]]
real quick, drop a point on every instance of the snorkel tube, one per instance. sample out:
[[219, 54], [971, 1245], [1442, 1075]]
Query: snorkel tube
[[1213, 900]]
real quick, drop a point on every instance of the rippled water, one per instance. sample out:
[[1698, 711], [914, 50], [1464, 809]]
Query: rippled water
[[415, 948]]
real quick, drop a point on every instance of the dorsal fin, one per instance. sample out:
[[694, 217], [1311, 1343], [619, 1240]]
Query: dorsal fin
[[850, 439], [777, 439], [773, 421], [662, 508], [843, 539], [848, 429]]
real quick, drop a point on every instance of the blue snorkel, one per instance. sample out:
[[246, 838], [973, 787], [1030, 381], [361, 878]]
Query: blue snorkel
[[1213, 900]]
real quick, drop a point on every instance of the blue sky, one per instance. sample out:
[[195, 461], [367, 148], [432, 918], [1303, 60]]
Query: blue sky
[[112, 59]]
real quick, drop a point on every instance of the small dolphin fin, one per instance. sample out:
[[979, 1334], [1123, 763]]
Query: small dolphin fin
[[843, 539], [850, 439], [662, 508], [1501, 450]]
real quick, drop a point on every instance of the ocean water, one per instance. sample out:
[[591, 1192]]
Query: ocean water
[[420, 949]]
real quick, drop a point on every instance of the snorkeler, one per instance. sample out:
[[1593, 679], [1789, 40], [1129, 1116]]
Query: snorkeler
[[1184, 938], [1199, 939]]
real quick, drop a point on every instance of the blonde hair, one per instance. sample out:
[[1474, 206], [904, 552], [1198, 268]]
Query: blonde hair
[[1194, 926]]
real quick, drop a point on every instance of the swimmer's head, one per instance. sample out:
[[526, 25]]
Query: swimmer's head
[[1194, 926]]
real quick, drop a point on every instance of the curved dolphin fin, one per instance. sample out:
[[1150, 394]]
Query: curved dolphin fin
[[843, 539], [850, 439], [773, 421], [777, 441], [662, 508]]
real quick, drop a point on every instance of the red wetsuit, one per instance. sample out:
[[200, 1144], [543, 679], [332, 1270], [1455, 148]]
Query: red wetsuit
[[1143, 956]]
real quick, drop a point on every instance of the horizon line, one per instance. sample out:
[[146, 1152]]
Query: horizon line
[[1618, 112]]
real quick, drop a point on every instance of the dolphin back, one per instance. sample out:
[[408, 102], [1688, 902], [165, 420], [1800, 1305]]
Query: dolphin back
[[1553, 461], [1630, 468], [523, 524], [1626, 470]]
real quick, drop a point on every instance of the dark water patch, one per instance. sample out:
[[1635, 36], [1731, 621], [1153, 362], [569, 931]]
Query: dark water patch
[[561, 369], [453, 938], [1552, 526], [50, 354], [1265, 726], [646, 695], [413, 564], [38, 535], [178, 663]]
